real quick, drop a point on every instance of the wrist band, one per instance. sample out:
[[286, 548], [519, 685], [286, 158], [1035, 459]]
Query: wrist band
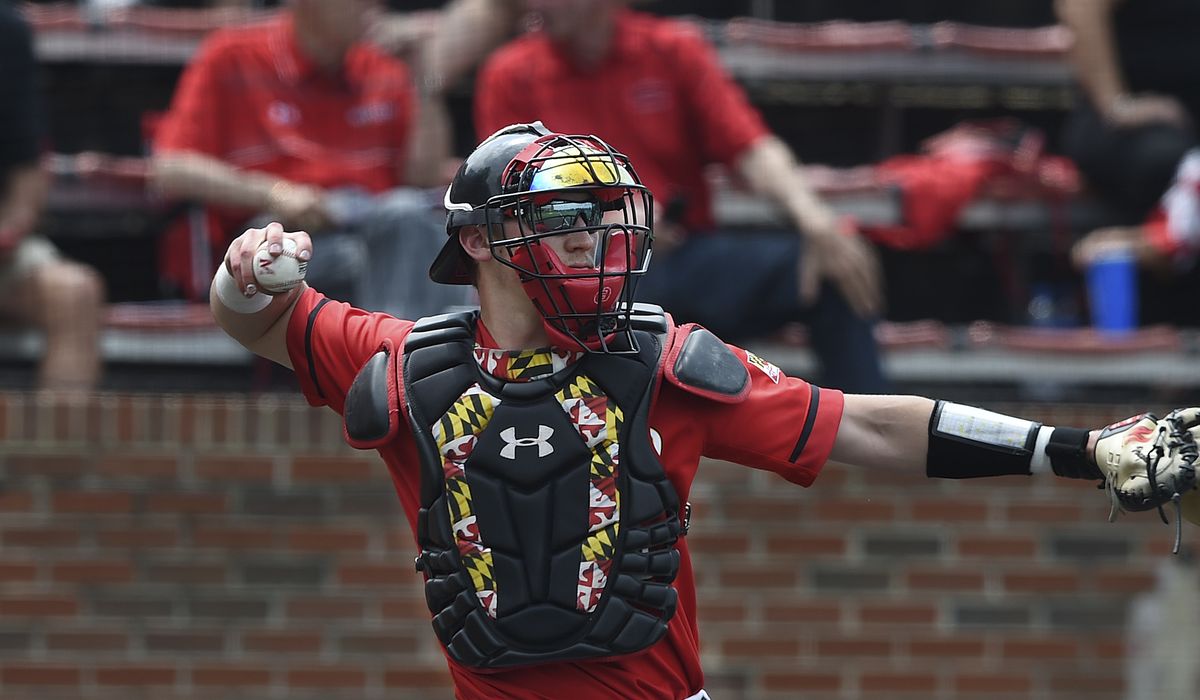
[[1067, 450], [232, 297]]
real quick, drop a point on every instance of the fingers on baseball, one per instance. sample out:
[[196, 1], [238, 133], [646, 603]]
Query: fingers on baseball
[[274, 237]]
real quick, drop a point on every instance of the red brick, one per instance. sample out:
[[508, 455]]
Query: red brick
[[1043, 582], [42, 537], [325, 607], [1057, 512], [957, 511], [145, 537], [806, 545], [1091, 684], [138, 466], [1008, 683], [711, 544], [340, 677], [313, 539], [811, 681], [853, 647], [1045, 648], [47, 465], [136, 676], [93, 572], [1110, 649], [772, 646], [1124, 582], [352, 469], [856, 511], [14, 572], [91, 502], [759, 509], [16, 502], [290, 641], [722, 610], [39, 674], [230, 468], [404, 609], [814, 612], [897, 614], [948, 647], [38, 606], [375, 574], [898, 682], [230, 676], [197, 503], [234, 538], [111, 642]]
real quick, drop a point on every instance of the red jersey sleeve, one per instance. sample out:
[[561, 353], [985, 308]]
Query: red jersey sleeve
[[724, 118], [329, 341], [193, 122], [785, 425]]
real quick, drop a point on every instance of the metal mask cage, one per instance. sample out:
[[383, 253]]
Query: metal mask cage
[[597, 174]]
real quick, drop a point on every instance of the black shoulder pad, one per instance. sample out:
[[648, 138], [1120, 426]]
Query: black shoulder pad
[[370, 418], [707, 367]]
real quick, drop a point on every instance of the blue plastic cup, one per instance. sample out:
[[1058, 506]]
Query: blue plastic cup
[[1113, 292]]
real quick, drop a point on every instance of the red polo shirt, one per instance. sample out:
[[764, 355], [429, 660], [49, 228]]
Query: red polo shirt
[[784, 425], [661, 97], [251, 98]]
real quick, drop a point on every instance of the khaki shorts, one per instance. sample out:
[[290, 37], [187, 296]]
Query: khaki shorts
[[33, 252]]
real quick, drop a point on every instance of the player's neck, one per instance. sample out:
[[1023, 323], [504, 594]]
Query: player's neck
[[327, 58], [511, 318]]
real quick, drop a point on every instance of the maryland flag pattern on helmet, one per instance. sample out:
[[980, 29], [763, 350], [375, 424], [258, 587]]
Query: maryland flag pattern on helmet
[[598, 421], [572, 166], [456, 434]]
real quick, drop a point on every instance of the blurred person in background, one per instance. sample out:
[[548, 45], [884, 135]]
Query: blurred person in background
[[655, 88], [62, 298], [1131, 133], [301, 120]]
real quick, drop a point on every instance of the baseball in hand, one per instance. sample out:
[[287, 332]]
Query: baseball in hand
[[277, 274]]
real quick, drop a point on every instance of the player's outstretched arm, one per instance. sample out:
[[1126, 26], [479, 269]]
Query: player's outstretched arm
[[250, 304], [1143, 461]]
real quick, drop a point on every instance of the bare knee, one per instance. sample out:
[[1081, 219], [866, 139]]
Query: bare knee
[[69, 293]]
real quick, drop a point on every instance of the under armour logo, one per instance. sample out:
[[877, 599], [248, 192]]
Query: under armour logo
[[512, 442]]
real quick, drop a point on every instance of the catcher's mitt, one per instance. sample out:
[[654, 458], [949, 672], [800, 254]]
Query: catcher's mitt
[[1148, 462]]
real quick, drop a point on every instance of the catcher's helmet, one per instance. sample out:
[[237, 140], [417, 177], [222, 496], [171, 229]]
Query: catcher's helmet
[[546, 184]]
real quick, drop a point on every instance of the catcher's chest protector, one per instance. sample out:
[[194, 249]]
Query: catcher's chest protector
[[547, 525]]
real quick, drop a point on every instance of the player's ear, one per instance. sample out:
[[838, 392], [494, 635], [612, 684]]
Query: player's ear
[[474, 241]]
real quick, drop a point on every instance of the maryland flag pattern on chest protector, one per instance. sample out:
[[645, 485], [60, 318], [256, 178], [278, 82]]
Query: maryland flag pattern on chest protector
[[547, 527]]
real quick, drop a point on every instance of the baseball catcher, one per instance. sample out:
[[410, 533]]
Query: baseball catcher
[[544, 445]]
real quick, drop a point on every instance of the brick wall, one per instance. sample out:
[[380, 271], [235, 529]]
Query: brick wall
[[159, 547]]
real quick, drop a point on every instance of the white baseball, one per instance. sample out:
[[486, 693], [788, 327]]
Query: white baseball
[[278, 274]]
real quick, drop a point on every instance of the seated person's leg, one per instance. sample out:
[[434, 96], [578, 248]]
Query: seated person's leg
[[1130, 168], [403, 233], [65, 300], [743, 285]]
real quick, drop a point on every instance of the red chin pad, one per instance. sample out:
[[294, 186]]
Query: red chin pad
[[572, 305]]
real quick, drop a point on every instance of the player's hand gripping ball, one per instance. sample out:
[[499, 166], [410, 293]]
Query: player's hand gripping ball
[[276, 274]]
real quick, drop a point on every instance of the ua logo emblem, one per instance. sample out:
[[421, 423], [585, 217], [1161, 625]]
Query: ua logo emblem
[[512, 442]]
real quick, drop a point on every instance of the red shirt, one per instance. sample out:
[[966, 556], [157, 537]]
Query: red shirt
[[661, 97], [785, 426], [252, 99]]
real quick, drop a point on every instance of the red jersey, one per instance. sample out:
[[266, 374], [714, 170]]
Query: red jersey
[[784, 425], [661, 97], [253, 99]]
